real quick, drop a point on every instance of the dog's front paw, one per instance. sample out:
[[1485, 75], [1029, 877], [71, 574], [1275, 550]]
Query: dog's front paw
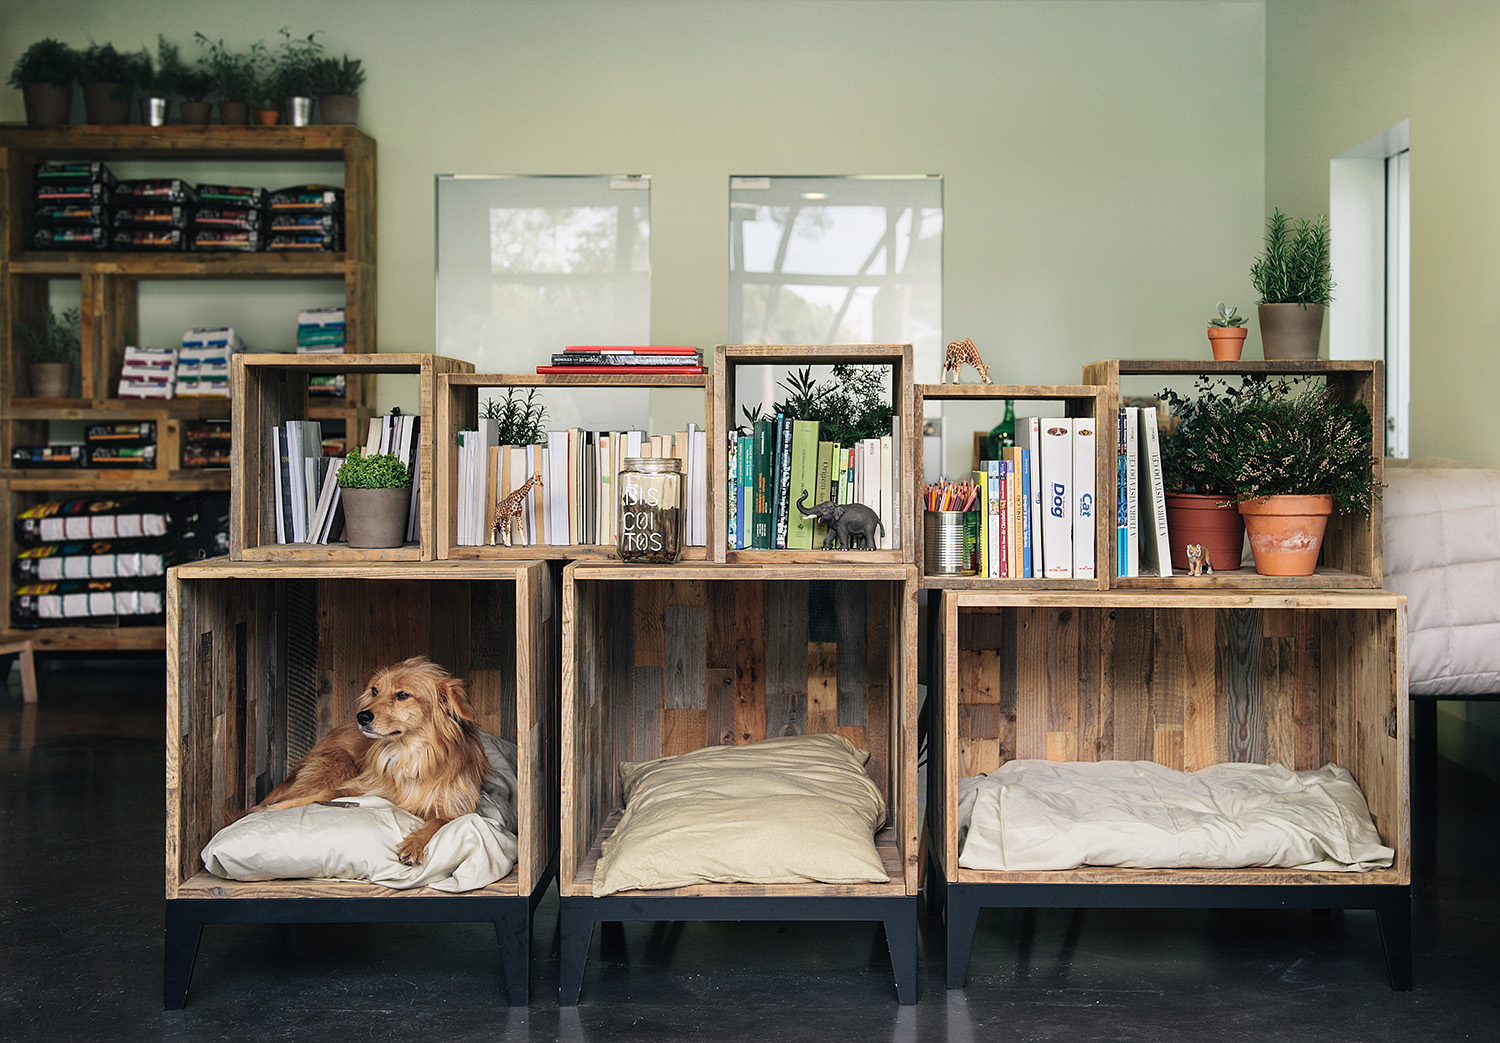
[[412, 850]]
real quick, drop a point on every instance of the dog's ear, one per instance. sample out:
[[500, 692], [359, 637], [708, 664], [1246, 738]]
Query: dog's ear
[[454, 698]]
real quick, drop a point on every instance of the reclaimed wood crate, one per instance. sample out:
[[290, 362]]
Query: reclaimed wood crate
[[1186, 680], [264, 658], [270, 389], [1352, 544]]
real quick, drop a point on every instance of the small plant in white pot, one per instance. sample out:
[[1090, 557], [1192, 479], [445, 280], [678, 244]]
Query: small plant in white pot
[[376, 495]]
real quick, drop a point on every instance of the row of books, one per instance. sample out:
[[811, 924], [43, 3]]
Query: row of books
[[576, 501], [783, 460], [1036, 503], [305, 491], [589, 359], [1142, 546]]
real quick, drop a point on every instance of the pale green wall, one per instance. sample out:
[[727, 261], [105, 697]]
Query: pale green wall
[[1103, 160], [1337, 73]]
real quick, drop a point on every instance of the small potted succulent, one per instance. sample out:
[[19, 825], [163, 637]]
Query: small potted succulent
[[337, 82], [376, 495], [1294, 279], [1226, 333], [106, 75], [45, 74], [52, 346]]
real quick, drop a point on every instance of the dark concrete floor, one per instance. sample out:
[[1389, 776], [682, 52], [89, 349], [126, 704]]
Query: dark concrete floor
[[81, 823]]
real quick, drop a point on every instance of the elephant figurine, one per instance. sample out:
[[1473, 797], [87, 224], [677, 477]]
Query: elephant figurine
[[847, 522]]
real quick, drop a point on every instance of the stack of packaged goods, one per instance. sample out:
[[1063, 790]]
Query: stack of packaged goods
[[49, 456], [102, 561], [152, 214], [73, 202], [148, 372], [122, 443], [205, 443], [307, 218], [203, 361], [229, 217], [320, 331]]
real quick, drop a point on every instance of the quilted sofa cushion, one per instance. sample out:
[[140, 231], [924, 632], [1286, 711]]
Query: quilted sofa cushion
[[1442, 550]]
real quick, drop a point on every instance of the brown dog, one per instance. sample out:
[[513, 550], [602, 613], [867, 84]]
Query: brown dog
[[415, 744]]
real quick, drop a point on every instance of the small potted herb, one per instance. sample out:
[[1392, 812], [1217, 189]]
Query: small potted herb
[[1294, 279], [376, 495], [294, 68], [45, 73], [1226, 333], [53, 345], [337, 82], [518, 421], [1200, 458], [106, 75], [235, 76], [175, 78]]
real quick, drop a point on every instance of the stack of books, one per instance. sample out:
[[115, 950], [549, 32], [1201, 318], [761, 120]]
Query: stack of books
[[74, 201], [229, 217], [320, 331], [1142, 545], [148, 372], [153, 214], [203, 361], [625, 360], [307, 218]]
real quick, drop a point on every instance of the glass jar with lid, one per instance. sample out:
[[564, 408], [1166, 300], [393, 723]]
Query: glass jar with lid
[[649, 520]]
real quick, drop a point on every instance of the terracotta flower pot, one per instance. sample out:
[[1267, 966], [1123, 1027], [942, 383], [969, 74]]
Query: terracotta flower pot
[[51, 379], [1290, 331], [1227, 342], [1286, 532], [375, 518], [194, 113], [268, 117], [47, 105], [106, 103], [1198, 518]]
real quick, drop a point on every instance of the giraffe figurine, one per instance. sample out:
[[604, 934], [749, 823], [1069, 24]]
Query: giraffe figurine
[[509, 510], [959, 352]]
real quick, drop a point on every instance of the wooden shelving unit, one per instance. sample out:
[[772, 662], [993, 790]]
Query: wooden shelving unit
[[108, 285], [458, 409]]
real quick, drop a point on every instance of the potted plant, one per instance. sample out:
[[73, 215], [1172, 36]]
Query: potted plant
[[1226, 333], [105, 74], [337, 82], [1303, 454], [53, 345], [1295, 282], [376, 494], [518, 421], [143, 79], [45, 73], [295, 66], [235, 77], [175, 78], [1200, 466]]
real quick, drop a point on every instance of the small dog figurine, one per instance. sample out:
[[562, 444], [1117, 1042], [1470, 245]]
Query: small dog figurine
[[415, 744], [1198, 561]]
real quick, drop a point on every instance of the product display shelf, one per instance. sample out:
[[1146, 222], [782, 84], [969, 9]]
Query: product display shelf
[[731, 359], [263, 657], [661, 660], [268, 390], [1351, 556], [108, 284], [1076, 401], [1186, 680], [458, 408]]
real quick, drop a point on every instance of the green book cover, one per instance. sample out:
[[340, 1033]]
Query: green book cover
[[824, 490], [804, 482]]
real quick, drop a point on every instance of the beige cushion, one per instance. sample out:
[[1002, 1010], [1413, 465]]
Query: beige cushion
[[788, 810]]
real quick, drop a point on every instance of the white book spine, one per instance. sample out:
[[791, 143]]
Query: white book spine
[[1057, 516], [1158, 497], [1084, 511], [887, 493], [896, 473], [557, 491]]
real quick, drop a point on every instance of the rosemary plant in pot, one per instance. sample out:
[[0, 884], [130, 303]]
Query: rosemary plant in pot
[[376, 495], [1295, 282], [1200, 467], [1303, 454]]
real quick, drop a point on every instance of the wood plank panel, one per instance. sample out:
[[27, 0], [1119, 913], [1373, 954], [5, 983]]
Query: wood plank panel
[[786, 638], [1133, 643], [852, 608], [822, 687], [686, 630], [749, 613], [1201, 726], [1169, 688], [720, 704], [1239, 651], [1062, 684], [1031, 683]]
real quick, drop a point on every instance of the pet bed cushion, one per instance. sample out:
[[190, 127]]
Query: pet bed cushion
[[787, 810], [359, 843], [1043, 815]]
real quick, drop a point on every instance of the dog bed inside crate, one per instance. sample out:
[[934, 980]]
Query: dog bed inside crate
[[357, 839], [1032, 815]]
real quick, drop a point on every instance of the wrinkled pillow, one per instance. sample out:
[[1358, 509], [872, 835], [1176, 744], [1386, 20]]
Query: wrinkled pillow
[[789, 810], [360, 842]]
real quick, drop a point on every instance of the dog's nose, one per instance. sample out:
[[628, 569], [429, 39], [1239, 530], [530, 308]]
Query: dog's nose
[[364, 717]]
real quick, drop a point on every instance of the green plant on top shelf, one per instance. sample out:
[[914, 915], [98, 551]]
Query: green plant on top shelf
[[175, 78], [235, 74], [1296, 266], [101, 63], [46, 61], [376, 471], [294, 63], [55, 338], [518, 421], [1228, 316], [854, 403], [344, 75]]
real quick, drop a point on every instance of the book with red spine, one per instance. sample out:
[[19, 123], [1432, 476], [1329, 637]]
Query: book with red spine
[[620, 369]]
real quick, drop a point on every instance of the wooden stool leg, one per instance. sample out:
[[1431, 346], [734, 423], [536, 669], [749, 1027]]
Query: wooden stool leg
[[27, 662]]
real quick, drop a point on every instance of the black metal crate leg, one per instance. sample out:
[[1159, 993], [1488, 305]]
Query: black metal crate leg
[[576, 927], [1394, 918], [961, 908], [901, 939], [184, 929], [513, 931]]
